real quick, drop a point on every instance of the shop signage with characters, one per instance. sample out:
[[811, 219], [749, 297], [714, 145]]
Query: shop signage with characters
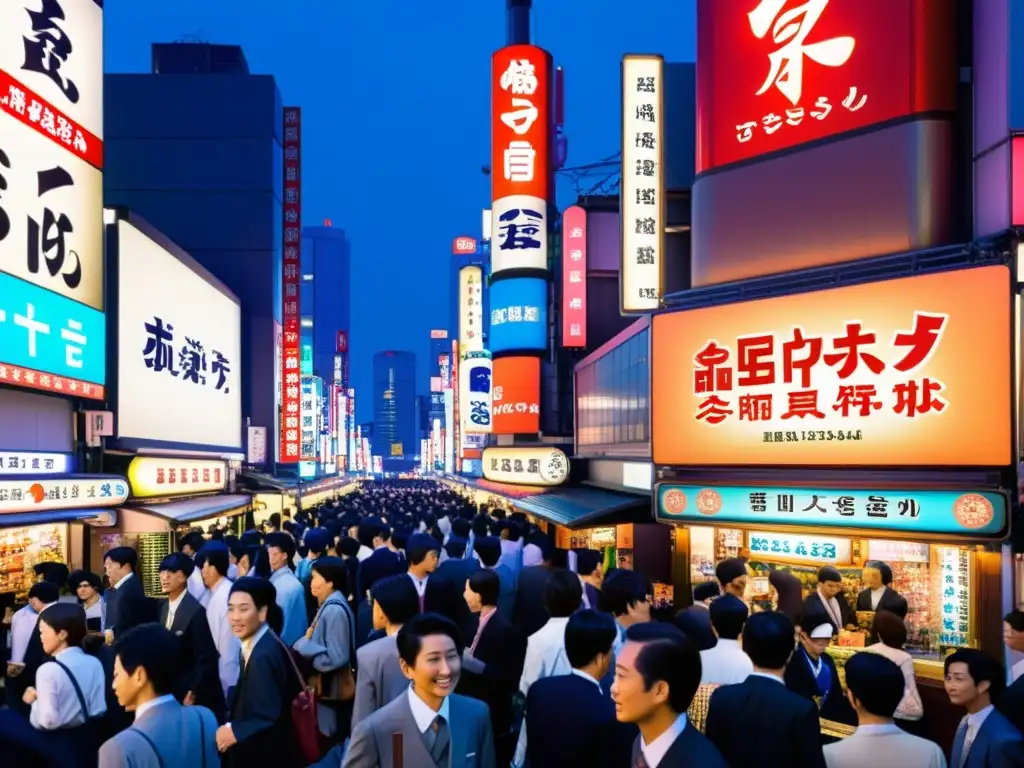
[[798, 548], [540, 465], [42, 495], [962, 513], [908, 372], [34, 463], [152, 477]]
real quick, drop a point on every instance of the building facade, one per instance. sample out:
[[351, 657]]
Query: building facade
[[395, 415], [325, 296], [209, 177]]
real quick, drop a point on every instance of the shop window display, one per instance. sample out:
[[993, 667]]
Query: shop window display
[[23, 548]]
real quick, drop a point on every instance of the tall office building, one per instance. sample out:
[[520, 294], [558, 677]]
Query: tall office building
[[395, 415], [325, 296], [194, 147]]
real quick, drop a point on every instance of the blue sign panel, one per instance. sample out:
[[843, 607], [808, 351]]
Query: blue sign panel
[[519, 314], [46, 332], [960, 513]]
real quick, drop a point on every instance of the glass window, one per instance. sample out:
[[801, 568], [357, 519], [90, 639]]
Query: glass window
[[612, 395]]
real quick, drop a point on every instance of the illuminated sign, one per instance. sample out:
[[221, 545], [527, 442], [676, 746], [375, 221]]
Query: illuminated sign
[[337, 370], [771, 76], [471, 309], [960, 513], [955, 602], [456, 422], [908, 372], [540, 465], [574, 277], [150, 476], [34, 463], [519, 315], [515, 395], [462, 246], [520, 236], [476, 392], [350, 428], [42, 495], [308, 420], [764, 545], [443, 365], [643, 183], [396, 449], [291, 437], [439, 334], [341, 342]]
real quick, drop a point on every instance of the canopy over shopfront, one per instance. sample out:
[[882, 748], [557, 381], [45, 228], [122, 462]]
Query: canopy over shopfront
[[97, 517], [195, 510]]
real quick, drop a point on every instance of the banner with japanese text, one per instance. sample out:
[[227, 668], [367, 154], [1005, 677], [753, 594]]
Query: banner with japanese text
[[574, 278], [291, 435], [908, 372]]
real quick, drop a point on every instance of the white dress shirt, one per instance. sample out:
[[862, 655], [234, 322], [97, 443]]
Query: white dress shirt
[[832, 609], [196, 587], [97, 610], [57, 704], [725, 664], [585, 676], [225, 640], [250, 642], [22, 624], [424, 715], [545, 654], [123, 579], [420, 584], [143, 708], [655, 752], [291, 598], [876, 597], [974, 723], [172, 608], [232, 572], [1017, 671], [363, 553]]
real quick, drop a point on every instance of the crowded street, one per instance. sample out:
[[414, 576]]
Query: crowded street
[[511, 384]]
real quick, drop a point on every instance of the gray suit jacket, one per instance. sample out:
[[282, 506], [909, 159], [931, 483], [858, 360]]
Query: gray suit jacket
[[379, 679], [898, 748], [472, 743], [184, 736]]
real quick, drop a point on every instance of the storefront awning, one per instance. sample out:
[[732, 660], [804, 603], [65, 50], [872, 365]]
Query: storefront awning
[[584, 507], [99, 517], [508, 490], [196, 509], [260, 481]]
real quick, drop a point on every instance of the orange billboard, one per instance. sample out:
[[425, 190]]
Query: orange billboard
[[908, 372], [515, 395]]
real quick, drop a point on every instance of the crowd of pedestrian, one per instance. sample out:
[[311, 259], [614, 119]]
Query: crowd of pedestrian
[[400, 624]]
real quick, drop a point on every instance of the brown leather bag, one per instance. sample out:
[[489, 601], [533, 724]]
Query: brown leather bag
[[345, 678]]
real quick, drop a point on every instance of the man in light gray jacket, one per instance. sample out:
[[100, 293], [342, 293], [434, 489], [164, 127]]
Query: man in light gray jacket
[[875, 688], [164, 732], [380, 679]]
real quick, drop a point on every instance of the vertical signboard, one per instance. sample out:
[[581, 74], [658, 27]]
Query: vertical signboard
[[52, 334], [521, 175], [471, 309], [291, 438], [446, 434], [574, 277], [476, 392], [642, 203], [457, 418], [350, 428], [309, 435]]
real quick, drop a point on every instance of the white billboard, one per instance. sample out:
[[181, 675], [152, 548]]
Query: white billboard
[[471, 309], [519, 233], [179, 349], [475, 394], [449, 433]]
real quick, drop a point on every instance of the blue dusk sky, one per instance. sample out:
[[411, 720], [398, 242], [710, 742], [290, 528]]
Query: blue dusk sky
[[395, 111]]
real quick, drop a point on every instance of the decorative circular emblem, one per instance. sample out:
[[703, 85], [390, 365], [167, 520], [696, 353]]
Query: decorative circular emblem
[[555, 468], [972, 510], [674, 502], [709, 502]]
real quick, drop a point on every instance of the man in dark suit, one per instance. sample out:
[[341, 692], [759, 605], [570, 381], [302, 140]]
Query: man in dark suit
[[457, 568], [530, 613], [384, 561], [590, 568], [879, 596], [828, 599], [569, 719], [130, 604], [488, 549], [657, 673], [984, 739], [1011, 703], [493, 662], [259, 728], [181, 613], [695, 620], [760, 722]]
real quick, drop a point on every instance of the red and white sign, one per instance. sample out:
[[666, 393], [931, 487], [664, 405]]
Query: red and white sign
[[46, 382], [443, 368], [520, 122], [438, 334], [456, 426], [290, 437], [341, 343], [774, 74], [574, 277], [463, 246]]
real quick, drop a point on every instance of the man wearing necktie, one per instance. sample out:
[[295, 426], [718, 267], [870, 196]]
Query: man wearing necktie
[[984, 739]]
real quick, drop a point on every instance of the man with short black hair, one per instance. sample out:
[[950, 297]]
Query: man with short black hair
[[570, 720], [190, 544], [27, 653], [760, 721], [828, 599], [164, 733], [726, 662], [290, 593], [423, 552], [626, 595], [657, 673], [590, 568], [875, 687], [1011, 703], [985, 739], [213, 560], [439, 728], [127, 604]]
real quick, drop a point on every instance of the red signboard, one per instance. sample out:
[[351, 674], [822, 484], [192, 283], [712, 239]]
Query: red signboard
[[341, 344], [463, 246], [515, 395], [520, 122], [574, 277], [774, 74], [457, 426], [288, 449]]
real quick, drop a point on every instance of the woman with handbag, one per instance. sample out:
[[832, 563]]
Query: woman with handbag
[[329, 648]]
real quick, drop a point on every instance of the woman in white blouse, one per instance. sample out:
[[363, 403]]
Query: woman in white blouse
[[892, 636], [89, 587], [69, 693]]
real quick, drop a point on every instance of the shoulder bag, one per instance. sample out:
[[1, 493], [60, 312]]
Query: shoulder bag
[[305, 727], [345, 676], [88, 719]]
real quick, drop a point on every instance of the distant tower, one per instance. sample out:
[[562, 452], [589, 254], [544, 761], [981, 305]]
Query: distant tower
[[518, 21]]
